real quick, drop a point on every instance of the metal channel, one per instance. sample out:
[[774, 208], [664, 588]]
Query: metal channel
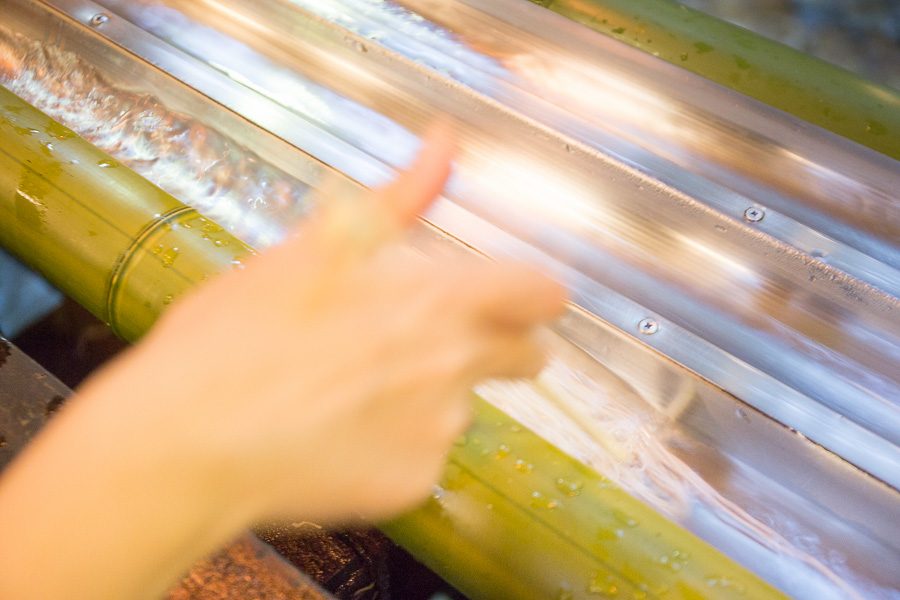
[[798, 487], [740, 302]]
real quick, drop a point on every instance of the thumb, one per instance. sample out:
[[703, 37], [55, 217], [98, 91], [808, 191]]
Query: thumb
[[414, 189], [350, 225]]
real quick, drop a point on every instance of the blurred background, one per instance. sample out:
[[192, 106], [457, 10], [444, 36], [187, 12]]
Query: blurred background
[[862, 36]]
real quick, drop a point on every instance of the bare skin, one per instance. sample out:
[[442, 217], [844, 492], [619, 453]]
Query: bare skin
[[9, 64], [324, 382]]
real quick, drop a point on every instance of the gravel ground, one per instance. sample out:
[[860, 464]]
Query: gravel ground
[[860, 35]]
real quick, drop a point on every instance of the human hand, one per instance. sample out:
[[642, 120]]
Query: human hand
[[9, 64], [330, 376]]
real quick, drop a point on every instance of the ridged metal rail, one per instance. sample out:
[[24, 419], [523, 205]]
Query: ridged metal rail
[[733, 358]]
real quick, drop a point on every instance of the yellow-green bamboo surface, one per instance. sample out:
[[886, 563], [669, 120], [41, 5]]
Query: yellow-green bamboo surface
[[516, 518], [102, 234], [797, 83]]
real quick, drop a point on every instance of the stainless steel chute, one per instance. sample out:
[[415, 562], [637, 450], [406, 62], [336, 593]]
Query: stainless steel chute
[[733, 355]]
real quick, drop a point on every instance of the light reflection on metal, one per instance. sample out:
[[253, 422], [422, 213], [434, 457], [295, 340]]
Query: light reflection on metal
[[627, 177]]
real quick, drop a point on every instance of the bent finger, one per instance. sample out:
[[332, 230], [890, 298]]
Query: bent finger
[[510, 296], [511, 356]]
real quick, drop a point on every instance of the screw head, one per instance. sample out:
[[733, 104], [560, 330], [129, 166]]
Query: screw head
[[754, 214], [648, 326], [99, 19]]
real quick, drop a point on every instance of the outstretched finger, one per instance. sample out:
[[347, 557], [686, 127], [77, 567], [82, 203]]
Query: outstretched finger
[[414, 189], [351, 223]]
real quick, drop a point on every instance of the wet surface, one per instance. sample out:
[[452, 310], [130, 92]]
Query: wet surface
[[196, 163]]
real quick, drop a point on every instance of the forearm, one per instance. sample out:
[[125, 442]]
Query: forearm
[[94, 510]]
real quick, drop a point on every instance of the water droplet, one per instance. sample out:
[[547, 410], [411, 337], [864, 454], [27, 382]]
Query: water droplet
[[502, 451], [741, 414], [523, 466], [875, 127], [168, 257], [569, 488], [105, 164], [168, 299], [603, 585]]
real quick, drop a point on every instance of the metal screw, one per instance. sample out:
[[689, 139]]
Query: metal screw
[[648, 326], [754, 214], [99, 19]]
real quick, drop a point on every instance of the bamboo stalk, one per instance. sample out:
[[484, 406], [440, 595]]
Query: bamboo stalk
[[102, 234], [797, 83], [516, 518], [552, 528]]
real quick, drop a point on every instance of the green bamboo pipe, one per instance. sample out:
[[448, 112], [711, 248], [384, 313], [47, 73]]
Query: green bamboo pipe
[[797, 83], [102, 234], [516, 518]]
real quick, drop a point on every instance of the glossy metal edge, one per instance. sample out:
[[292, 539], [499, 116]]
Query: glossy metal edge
[[871, 452]]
